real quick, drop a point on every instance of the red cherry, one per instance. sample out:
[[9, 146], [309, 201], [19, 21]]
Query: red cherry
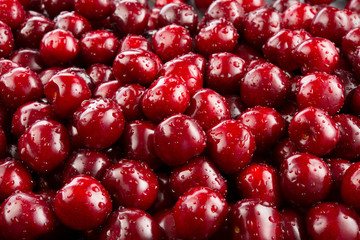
[[235, 104], [164, 198], [55, 7], [93, 9], [107, 89], [298, 16], [350, 189], [166, 221], [28, 58], [7, 40], [282, 5], [72, 22], [131, 42], [100, 73], [12, 13], [293, 225], [338, 168]]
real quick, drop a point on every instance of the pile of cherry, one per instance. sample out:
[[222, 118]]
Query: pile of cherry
[[122, 121]]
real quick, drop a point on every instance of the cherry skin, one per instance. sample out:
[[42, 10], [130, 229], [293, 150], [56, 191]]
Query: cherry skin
[[199, 213], [14, 177], [107, 89], [350, 186], [65, 92], [338, 168], [7, 40], [131, 184], [236, 106], [298, 16], [218, 35], [129, 97], [251, 5], [12, 13], [134, 42], [333, 220], [246, 52], [46, 74], [93, 9], [350, 42], [179, 13], [131, 223], [305, 179], [164, 198], [81, 72], [171, 41], [55, 7], [100, 73], [83, 203], [166, 221], [199, 171], [72, 22], [28, 58], [260, 25], [6, 65], [86, 162], [153, 19], [353, 5], [248, 214], [58, 47], [293, 225], [165, 97], [266, 124], [283, 149], [208, 108], [136, 66], [136, 21], [259, 181], [313, 131], [320, 90], [282, 5], [44, 145], [265, 85], [318, 2], [138, 142], [224, 72], [177, 139], [231, 145], [196, 59], [18, 86], [185, 71], [28, 113], [26, 216]]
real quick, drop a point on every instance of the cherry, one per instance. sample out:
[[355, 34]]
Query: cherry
[[305, 179], [131, 223], [131, 184], [196, 59], [26, 216], [252, 5], [18, 86], [199, 213], [14, 177], [138, 142], [224, 72], [65, 92], [248, 214], [333, 220], [208, 108], [164, 198], [82, 204], [246, 52], [12, 13], [55, 7], [236, 106], [72, 22], [261, 24], [93, 9], [266, 124], [199, 171], [177, 139], [162, 3], [293, 225], [320, 90], [353, 5], [316, 55], [59, 47], [185, 71], [348, 146], [28, 58], [100, 73], [318, 2], [259, 181], [218, 35], [32, 30], [86, 162], [96, 118], [265, 85], [231, 145], [81, 72], [7, 65], [46, 74], [131, 42], [136, 66], [153, 19], [107, 89], [282, 5], [171, 41], [350, 42], [179, 13], [298, 16], [283, 149], [129, 97], [166, 221], [165, 97], [202, 5], [29, 113], [7, 40], [136, 20], [338, 168]]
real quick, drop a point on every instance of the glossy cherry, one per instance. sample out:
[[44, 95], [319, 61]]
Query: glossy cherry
[[7, 40], [55, 7], [298, 16], [293, 225], [134, 42], [100, 73], [106, 89], [196, 59], [72, 22], [166, 221], [350, 186], [12, 13], [283, 149], [28, 58], [164, 198], [282, 5], [93, 9], [338, 168]]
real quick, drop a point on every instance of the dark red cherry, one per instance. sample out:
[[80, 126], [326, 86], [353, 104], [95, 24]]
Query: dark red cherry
[[55, 7], [106, 89], [46, 74], [12, 13], [338, 168], [177, 139], [96, 118], [350, 188], [199, 213], [86, 162], [93, 9], [131, 223], [28, 58], [298, 16], [304, 179], [248, 215], [208, 108], [138, 143], [26, 216], [196, 59], [14, 177], [131, 184], [251, 5], [166, 221], [231, 145], [6, 65], [131, 42], [153, 19], [72, 22], [293, 225], [81, 72], [332, 220], [7, 43], [165, 198], [44, 145], [259, 181], [100, 73], [28, 113], [283, 149], [318, 2], [198, 172], [236, 106], [82, 204]]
